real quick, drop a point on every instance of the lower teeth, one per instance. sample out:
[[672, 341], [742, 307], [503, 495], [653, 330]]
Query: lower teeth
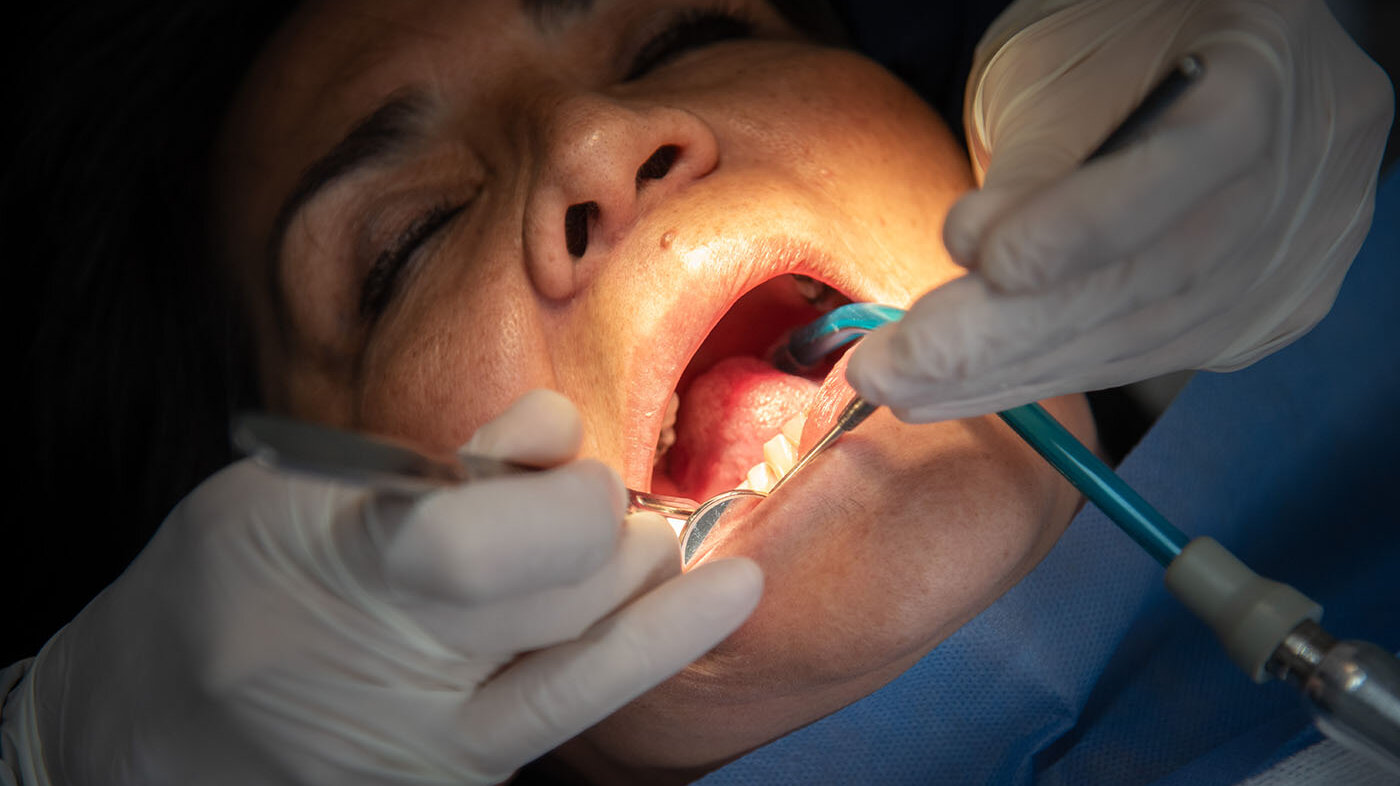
[[779, 455], [780, 452]]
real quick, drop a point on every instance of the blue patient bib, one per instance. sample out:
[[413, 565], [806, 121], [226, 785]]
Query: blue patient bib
[[1088, 672]]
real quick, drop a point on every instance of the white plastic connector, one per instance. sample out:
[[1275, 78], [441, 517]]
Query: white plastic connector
[[1251, 615]]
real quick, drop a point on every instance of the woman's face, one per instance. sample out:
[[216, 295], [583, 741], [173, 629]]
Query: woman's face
[[433, 206]]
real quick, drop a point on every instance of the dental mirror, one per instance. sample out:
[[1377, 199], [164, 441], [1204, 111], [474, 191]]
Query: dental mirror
[[698, 526]]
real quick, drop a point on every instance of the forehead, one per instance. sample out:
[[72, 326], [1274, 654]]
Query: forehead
[[334, 61], [333, 57], [335, 54]]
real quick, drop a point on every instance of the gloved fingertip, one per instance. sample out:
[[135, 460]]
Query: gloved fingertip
[[921, 414], [542, 427], [653, 524], [971, 220], [645, 518], [961, 232], [1012, 264], [545, 400], [868, 367], [597, 472], [961, 246], [1008, 277], [733, 586]]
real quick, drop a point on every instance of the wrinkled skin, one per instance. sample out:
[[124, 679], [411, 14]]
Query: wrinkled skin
[[790, 158]]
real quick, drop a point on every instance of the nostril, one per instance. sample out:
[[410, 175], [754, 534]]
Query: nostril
[[576, 220], [658, 165], [578, 216]]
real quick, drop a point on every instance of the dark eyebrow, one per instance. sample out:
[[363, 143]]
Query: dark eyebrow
[[548, 13], [385, 131]]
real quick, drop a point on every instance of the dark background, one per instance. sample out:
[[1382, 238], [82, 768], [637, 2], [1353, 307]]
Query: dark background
[[1375, 24]]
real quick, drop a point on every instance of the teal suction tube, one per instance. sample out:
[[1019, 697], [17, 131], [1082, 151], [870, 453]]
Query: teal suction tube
[[808, 345], [1125, 507], [1268, 629]]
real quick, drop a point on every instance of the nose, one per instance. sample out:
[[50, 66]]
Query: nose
[[603, 165]]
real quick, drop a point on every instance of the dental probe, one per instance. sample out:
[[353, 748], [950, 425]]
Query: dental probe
[[1268, 629], [807, 346], [1101, 485], [299, 446], [853, 414]]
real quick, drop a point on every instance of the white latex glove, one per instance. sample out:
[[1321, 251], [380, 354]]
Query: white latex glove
[[1220, 237], [285, 630]]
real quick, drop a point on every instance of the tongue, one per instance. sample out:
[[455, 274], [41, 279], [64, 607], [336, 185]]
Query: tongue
[[725, 417]]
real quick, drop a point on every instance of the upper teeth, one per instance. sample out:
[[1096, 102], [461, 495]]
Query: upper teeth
[[667, 437], [779, 454], [812, 290]]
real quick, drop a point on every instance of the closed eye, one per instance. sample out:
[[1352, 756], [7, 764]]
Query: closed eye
[[382, 281], [692, 29]]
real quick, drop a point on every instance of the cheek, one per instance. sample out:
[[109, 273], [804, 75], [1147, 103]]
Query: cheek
[[866, 148], [472, 335], [857, 587], [891, 573], [455, 352]]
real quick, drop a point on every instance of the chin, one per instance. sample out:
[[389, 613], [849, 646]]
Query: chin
[[878, 551]]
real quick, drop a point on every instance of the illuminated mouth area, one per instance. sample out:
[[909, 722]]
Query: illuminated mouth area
[[735, 421]]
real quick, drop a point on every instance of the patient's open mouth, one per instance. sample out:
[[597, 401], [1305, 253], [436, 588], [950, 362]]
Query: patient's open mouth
[[735, 420]]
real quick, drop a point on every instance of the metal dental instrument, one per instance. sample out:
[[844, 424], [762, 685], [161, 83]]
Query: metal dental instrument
[[1268, 629], [291, 444], [854, 414], [699, 524], [809, 345]]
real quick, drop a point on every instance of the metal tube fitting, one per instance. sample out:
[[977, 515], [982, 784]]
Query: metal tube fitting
[[1352, 689]]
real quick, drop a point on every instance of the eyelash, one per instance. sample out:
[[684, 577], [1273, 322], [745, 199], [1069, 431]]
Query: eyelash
[[382, 281], [692, 29]]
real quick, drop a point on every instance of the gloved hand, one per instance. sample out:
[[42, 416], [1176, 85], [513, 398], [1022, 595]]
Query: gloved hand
[[281, 629], [1218, 238]]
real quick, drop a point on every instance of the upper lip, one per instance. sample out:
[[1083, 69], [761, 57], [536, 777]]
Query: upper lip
[[729, 269]]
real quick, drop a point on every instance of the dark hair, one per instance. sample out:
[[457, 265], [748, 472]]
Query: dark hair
[[130, 356], [816, 18]]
